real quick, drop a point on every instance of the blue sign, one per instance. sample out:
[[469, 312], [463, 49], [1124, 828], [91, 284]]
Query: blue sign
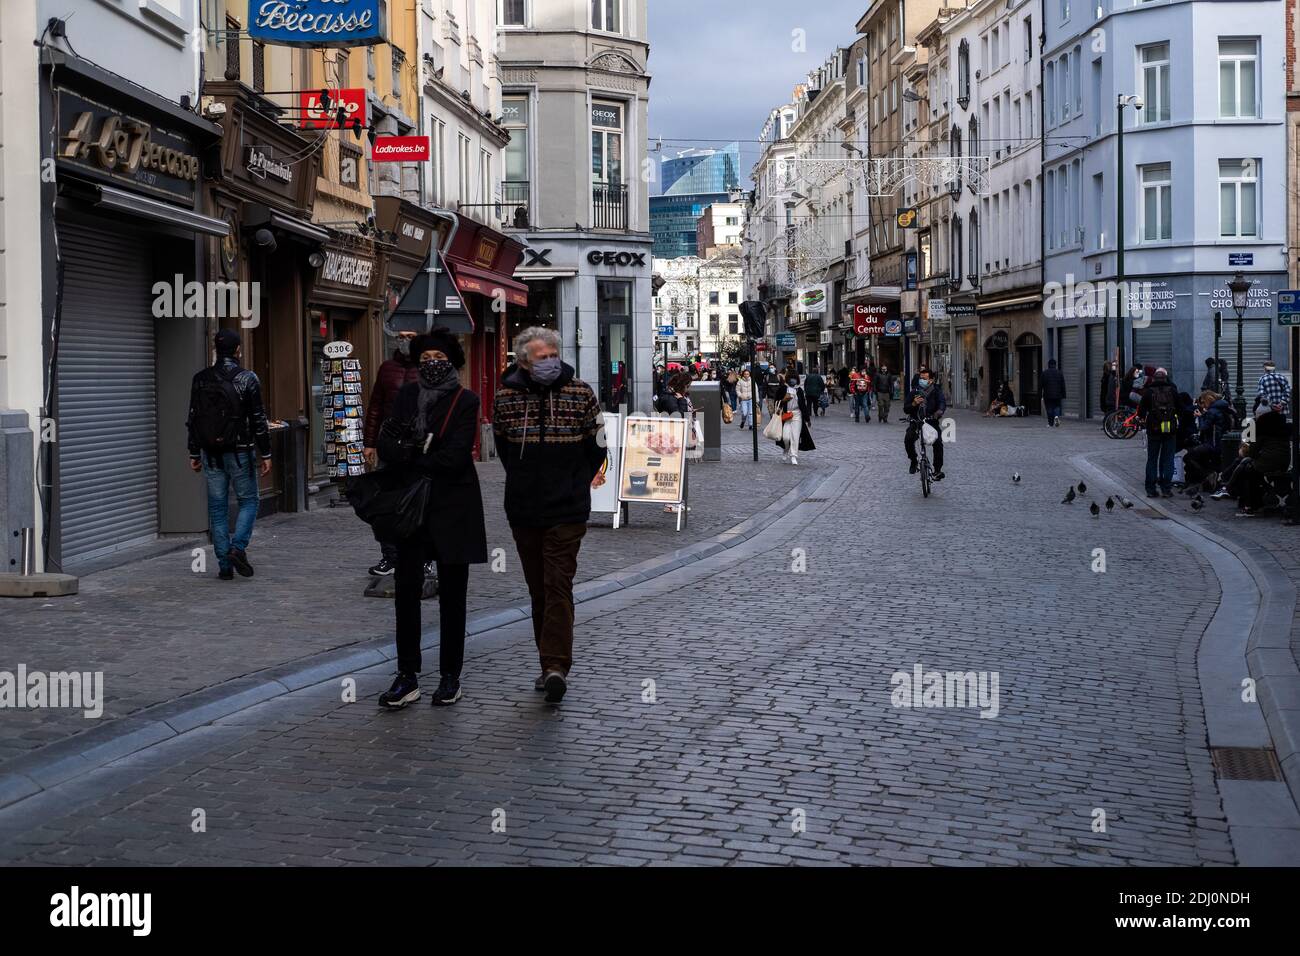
[[893, 327], [785, 340], [1288, 308], [317, 22], [667, 331], [1241, 258]]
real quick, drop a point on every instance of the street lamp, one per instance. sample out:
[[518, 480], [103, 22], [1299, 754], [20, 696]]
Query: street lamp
[[1240, 287], [1135, 101]]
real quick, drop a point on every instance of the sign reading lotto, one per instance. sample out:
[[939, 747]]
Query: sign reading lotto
[[400, 149], [317, 22], [870, 319], [654, 460], [316, 116]]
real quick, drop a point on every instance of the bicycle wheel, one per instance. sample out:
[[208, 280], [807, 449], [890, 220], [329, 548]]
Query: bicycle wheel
[[1111, 424], [1129, 428], [925, 477]]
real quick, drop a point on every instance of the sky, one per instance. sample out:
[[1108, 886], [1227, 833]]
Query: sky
[[719, 66]]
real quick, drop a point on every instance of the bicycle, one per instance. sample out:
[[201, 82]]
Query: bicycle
[[923, 467], [1122, 423]]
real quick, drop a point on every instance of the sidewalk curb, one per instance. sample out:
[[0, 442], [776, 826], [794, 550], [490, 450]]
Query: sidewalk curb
[[1270, 660], [63, 760]]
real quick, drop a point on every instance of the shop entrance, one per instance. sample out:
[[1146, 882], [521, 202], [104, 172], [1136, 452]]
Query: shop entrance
[[614, 301], [997, 348], [1029, 357], [326, 326]]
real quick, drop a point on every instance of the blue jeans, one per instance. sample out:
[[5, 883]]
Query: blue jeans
[[1160, 462], [240, 469], [746, 412], [861, 405]]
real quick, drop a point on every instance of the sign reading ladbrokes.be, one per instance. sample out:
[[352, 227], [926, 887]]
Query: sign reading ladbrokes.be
[[400, 149]]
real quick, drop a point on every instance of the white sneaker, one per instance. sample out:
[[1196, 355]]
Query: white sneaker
[[794, 459]]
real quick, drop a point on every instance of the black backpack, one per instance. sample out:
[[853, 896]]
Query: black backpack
[[218, 413], [1163, 417]]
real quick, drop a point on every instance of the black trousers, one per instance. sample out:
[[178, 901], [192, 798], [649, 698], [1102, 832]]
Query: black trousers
[[453, 591], [914, 433]]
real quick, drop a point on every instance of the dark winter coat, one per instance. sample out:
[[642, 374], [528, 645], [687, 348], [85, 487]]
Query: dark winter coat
[[1108, 383], [1149, 395], [670, 404], [814, 385], [1053, 385], [453, 525], [883, 383], [1215, 422], [254, 431], [394, 373], [548, 440]]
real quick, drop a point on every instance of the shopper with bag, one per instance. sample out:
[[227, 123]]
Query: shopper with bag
[[928, 406], [792, 417], [745, 398], [429, 441]]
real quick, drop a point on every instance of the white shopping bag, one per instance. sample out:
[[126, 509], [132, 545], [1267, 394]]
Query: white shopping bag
[[928, 433], [1179, 476]]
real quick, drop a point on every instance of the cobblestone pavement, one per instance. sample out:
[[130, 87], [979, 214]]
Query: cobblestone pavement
[[159, 630], [739, 711]]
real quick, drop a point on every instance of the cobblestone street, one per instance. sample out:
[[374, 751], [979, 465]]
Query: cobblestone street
[[740, 708]]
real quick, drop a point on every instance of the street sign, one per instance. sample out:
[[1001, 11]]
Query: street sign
[[1288, 308], [785, 340], [1241, 259], [667, 331]]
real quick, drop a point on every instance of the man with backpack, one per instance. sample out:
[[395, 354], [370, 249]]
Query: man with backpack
[[1159, 407], [227, 427]]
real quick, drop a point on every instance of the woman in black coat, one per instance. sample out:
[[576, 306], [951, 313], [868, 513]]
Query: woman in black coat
[[443, 418]]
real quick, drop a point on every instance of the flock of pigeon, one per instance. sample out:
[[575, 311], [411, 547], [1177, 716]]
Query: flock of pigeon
[[1072, 495]]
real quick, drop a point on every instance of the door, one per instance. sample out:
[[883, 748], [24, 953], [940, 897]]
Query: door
[[1096, 362], [107, 439], [998, 373], [1030, 356], [614, 313], [1068, 357]]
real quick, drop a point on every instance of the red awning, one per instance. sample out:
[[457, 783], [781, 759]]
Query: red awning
[[486, 283]]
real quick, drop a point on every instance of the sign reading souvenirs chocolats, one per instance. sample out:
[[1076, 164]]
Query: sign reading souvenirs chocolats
[[317, 22], [109, 144]]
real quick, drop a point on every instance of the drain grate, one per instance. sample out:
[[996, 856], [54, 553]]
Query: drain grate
[[815, 501], [1245, 763]]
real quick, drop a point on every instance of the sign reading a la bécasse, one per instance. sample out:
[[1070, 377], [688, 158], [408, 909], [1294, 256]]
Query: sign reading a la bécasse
[[315, 23]]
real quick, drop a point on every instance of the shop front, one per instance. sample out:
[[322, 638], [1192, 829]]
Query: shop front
[[967, 365], [264, 187], [125, 310], [1009, 330]]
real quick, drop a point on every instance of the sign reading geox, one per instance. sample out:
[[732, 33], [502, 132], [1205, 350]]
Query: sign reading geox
[[317, 22]]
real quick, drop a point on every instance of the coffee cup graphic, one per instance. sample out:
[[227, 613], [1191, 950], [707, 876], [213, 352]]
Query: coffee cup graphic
[[639, 479]]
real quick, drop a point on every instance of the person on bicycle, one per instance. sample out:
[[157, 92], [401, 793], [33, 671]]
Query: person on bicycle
[[927, 405]]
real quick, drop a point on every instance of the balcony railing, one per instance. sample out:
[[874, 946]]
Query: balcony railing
[[609, 205], [511, 212]]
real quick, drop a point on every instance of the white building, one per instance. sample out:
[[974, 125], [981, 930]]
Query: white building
[[768, 236], [701, 299], [720, 228]]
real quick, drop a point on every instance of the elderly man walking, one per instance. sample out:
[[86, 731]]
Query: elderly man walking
[[547, 424]]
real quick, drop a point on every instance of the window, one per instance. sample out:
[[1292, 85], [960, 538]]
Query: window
[[1238, 198], [1065, 11], [733, 324], [1078, 79], [963, 74], [515, 112], [733, 298], [485, 189], [974, 258], [862, 71], [1050, 212], [605, 15], [1237, 60], [1063, 75], [607, 142], [343, 64], [924, 265], [1156, 210], [713, 298], [513, 13], [1029, 39], [714, 324], [1049, 93], [902, 25], [437, 161], [259, 66], [1154, 60], [955, 249]]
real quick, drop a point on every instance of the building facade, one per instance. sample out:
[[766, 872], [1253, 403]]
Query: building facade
[[690, 182], [720, 228], [1204, 162], [574, 80], [768, 241]]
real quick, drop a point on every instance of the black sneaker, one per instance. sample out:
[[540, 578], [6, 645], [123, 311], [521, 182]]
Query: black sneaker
[[226, 575], [555, 685], [240, 560], [405, 690], [383, 569], [913, 468], [448, 691], [539, 685], [1168, 493], [937, 476]]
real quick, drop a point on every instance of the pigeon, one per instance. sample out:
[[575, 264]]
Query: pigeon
[[1083, 489], [1094, 509], [1016, 478], [1110, 504], [1069, 496], [1125, 502], [1197, 505]]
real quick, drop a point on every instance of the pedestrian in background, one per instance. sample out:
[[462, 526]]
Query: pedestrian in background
[[440, 417], [793, 409], [1053, 387], [547, 424], [228, 433], [776, 389], [814, 386], [1109, 386], [745, 398], [883, 386], [1159, 407]]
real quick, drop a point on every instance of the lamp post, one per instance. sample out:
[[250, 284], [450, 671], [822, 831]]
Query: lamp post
[[1240, 287], [1123, 100]]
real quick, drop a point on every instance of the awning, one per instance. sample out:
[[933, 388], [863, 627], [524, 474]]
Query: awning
[[256, 215], [485, 283], [137, 205]]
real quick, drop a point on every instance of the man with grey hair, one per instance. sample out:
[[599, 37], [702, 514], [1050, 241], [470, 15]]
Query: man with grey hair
[[547, 424]]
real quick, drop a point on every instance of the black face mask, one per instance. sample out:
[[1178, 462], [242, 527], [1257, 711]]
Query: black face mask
[[436, 372]]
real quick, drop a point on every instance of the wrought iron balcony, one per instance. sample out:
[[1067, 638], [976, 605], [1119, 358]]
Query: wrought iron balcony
[[608, 205]]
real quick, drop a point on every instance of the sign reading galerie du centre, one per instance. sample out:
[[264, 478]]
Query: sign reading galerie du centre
[[317, 22]]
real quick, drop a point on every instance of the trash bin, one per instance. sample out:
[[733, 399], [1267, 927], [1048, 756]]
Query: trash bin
[[707, 399], [289, 453]]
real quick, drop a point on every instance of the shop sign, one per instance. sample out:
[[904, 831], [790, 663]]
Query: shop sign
[[400, 149], [317, 22], [126, 149], [812, 300], [343, 269], [604, 500], [316, 116], [906, 218], [894, 328], [598, 258], [337, 350], [607, 115], [936, 310], [261, 163], [869, 319], [1259, 297], [957, 311], [909, 282], [653, 464], [785, 340]]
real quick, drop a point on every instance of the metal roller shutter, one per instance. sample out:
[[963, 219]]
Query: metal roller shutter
[[1154, 345], [1256, 346], [107, 399], [1068, 363], [1096, 362]]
